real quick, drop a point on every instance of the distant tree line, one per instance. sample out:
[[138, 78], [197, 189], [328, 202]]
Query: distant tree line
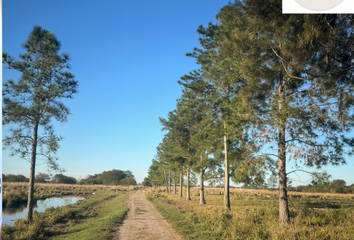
[[113, 177], [14, 178], [40, 178], [321, 182], [337, 186]]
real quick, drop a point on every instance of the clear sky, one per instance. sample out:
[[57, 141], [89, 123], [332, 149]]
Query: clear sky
[[127, 57]]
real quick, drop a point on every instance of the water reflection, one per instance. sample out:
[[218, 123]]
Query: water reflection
[[11, 214], [15, 209]]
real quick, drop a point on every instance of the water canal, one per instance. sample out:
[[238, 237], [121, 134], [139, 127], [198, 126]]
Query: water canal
[[9, 215]]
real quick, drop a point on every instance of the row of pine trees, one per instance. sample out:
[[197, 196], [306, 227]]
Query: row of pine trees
[[270, 88]]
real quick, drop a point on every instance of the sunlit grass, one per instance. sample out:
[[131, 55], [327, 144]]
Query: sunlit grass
[[254, 215]]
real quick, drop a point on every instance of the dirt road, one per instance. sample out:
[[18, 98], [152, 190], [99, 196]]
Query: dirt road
[[144, 222]]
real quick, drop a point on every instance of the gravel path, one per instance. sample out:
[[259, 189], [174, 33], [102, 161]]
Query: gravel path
[[147, 223]]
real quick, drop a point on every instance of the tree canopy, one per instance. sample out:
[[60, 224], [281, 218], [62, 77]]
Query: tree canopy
[[112, 177], [61, 178]]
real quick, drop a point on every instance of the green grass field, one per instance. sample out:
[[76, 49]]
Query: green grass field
[[254, 215]]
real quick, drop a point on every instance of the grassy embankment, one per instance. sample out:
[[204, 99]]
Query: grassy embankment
[[95, 217], [254, 215], [15, 194]]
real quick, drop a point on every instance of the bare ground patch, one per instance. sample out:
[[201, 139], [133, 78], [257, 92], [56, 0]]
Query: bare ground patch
[[143, 222]]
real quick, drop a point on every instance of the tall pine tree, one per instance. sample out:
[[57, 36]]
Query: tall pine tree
[[33, 100]]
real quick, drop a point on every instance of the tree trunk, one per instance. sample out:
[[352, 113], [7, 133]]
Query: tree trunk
[[29, 212], [201, 194], [283, 195], [226, 180], [181, 182], [169, 182], [174, 185], [226, 147], [166, 183], [188, 189]]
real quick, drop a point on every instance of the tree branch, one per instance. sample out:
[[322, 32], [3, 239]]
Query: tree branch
[[302, 90], [305, 71], [311, 144], [300, 170]]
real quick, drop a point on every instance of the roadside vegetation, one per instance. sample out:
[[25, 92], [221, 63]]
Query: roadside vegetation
[[254, 214], [92, 218], [15, 194]]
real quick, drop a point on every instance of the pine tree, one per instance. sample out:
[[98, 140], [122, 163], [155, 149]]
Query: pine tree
[[166, 155], [32, 101], [205, 58], [181, 152], [198, 100], [155, 173], [225, 81]]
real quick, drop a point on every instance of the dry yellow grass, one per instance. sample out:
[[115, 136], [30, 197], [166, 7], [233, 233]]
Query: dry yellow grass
[[259, 192], [254, 214]]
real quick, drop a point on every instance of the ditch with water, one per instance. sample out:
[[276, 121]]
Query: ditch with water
[[9, 215]]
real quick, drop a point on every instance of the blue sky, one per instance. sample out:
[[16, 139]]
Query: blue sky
[[127, 57]]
